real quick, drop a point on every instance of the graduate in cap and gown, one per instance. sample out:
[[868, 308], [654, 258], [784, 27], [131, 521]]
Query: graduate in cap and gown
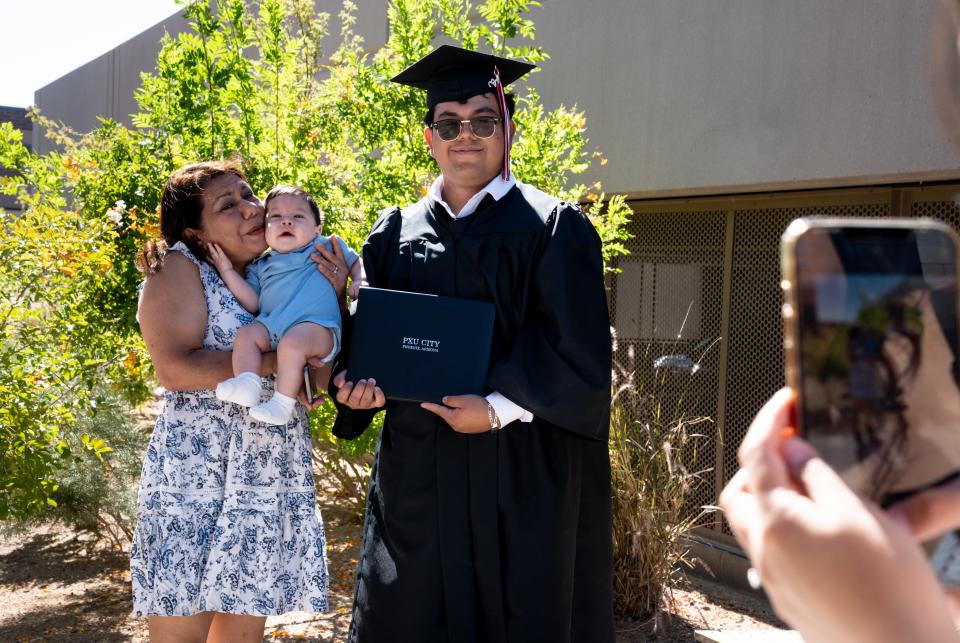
[[488, 517]]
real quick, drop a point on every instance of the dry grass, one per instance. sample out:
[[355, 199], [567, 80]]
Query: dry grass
[[655, 471]]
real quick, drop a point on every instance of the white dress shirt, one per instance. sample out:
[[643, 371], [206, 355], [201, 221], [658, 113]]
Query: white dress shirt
[[497, 188], [506, 410]]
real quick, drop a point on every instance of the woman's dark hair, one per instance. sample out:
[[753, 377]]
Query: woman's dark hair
[[511, 108], [292, 190], [881, 381], [180, 209]]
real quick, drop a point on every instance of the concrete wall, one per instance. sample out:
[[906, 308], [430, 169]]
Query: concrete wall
[[687, 96], [104, 86], [712, 95]]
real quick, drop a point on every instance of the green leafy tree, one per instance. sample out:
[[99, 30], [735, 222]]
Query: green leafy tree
[[249, 83]]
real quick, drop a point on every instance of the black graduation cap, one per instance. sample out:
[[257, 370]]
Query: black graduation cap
[[450, 73]]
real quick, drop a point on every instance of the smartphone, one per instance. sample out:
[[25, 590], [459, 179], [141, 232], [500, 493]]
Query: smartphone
[[307, 386], [870, 339]]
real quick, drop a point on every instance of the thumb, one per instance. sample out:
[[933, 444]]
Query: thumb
[[339, 379], [797, 453], [822, 484]]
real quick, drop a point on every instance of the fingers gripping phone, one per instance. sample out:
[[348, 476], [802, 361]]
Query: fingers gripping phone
[[870, 339]]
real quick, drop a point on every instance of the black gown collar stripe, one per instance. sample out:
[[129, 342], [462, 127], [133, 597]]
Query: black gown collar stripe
[[510, 215]]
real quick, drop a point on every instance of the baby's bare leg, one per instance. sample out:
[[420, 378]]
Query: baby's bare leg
[[252, 341], [300, 342], [243, 388]]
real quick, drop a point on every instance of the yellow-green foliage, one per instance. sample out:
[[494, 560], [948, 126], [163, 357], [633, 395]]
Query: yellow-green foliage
[[55, 342]]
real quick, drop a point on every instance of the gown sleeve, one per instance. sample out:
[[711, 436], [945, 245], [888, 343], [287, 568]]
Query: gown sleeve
[[559, 366], [349, 423]]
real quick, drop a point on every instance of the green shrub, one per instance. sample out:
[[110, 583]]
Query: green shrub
[[59, 349], [99, 495]]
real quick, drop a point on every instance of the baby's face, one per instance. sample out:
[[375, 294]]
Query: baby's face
[[290, 223]]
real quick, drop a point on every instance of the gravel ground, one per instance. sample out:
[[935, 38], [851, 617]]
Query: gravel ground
[[57, 584]]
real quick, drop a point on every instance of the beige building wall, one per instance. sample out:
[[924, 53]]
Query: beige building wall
[[104, 86], [707, 96], [685, 96]]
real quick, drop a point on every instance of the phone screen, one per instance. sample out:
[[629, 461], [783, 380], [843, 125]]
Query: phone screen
[[877, 333]]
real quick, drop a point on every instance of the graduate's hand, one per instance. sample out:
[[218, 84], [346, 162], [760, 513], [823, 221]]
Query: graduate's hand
[[365, 394], [835, 567], [929, 514], [464, 413], [354, 290], [332, 265]]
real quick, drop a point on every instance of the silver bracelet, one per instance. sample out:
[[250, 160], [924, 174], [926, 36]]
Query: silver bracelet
[[492, 416]]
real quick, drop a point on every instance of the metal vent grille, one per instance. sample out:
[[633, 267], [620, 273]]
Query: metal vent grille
[[666, 313], [755, 362], [945, 209], [701, 286]]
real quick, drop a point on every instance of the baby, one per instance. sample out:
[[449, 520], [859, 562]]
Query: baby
[[299, 315]]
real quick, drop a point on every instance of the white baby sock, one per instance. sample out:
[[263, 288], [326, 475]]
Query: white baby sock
[[277, 410], [244, 389]]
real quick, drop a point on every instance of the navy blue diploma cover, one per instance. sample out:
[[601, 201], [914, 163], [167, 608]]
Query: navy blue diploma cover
[[420, 347]]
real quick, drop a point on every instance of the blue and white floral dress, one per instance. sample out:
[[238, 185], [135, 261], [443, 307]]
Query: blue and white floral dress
[[227, 518]]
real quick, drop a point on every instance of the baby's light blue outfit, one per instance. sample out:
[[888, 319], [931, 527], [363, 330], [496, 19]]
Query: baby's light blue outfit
[[292, 290]]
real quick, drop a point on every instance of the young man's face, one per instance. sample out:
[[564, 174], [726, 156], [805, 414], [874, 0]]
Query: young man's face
[[467, 161], [290, 223]]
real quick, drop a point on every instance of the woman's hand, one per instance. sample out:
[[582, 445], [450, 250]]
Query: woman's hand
[[218, 258], [363, 395], [464, 413], [332, 265], [835, 567]]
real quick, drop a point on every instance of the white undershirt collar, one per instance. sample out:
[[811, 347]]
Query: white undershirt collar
[[497, 188]]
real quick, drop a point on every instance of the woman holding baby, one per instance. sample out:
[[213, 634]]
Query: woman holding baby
[[228, 529]]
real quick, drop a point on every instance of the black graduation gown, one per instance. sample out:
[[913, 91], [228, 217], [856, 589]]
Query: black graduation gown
[[499, 536]]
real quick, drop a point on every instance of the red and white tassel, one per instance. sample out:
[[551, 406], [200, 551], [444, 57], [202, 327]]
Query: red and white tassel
[[507, 123]]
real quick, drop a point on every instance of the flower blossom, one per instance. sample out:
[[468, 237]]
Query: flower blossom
[[115, 214]]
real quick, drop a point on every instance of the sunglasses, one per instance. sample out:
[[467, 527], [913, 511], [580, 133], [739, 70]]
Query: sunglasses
[[449, 129]]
